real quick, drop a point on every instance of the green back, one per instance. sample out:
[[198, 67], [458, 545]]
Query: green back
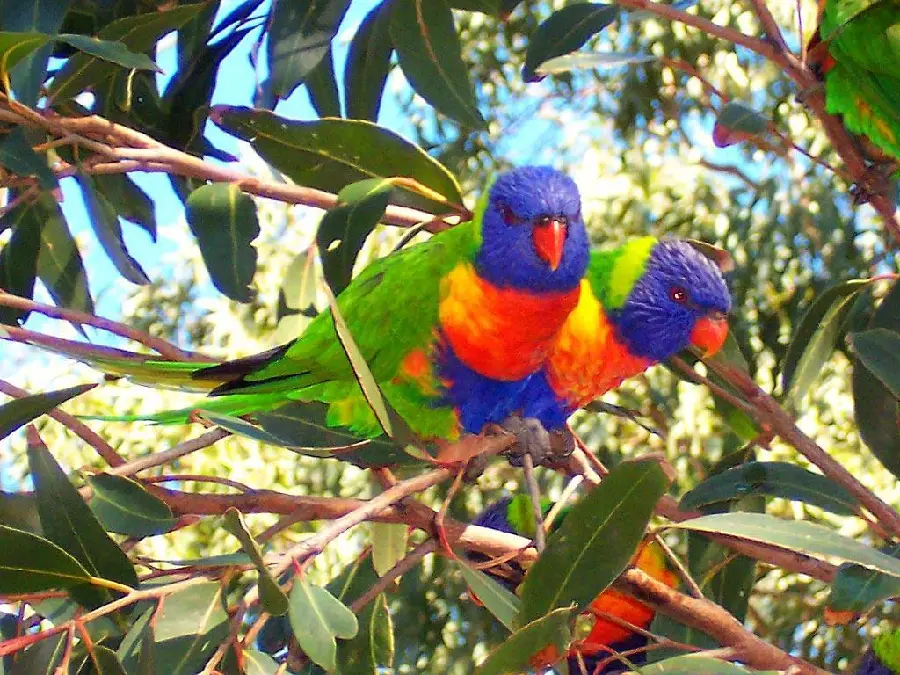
[[887, 649], [612, 274]]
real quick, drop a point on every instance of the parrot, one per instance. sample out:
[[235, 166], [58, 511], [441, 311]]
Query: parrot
[[883, 656], [451, 328], [856, 49], [514, 515], [640, 304]]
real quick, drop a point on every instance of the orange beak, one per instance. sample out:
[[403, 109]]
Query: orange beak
[[709, 333], [549, 240]]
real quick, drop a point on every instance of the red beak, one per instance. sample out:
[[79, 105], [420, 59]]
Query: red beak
[[549, 240], [709, 333]]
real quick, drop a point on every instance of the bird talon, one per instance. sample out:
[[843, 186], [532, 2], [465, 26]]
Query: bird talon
[[531, 439]]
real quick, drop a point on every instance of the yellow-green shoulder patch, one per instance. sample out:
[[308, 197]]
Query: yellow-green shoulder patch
[[627, 269], [481, 207]]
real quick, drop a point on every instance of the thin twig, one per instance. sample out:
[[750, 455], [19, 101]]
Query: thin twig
[[166, 456], [158, 345], [73, 424], [409, 561], [679, 566]]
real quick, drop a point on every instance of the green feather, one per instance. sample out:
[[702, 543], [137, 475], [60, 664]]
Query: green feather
[[612, 274], [887, 649]]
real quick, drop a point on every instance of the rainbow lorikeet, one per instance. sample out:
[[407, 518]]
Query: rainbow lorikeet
[[883, 657], [857, 50], [640, 304], [514, 515], [451, 328]]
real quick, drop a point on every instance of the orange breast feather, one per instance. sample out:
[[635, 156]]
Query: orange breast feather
[[502, 333]]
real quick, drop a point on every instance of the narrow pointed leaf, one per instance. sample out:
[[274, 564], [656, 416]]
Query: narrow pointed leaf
[[70, 524], [14, 47], [388, 545], [372, 650], [567, 62], [17, 155], [879, 351], [30, 564], [857, 589], [566, 31], [344, 230], [136, 33], [772, 479], [109, 50], [42, 658], [368, 64], [19, 257], [514, 655], [877, 415], [32, 16], [105, 221], [191, 625], [430, 55], [271, 597], [128, 200], [59, 264], [596, 540], [321, 84], [500, 602], [105, 661], [810, 324], [807, 538], [317, 618], [330, 154], [699, 665], [299, 37], [259, 663], [225, 223], [125, 507], [20, 411]]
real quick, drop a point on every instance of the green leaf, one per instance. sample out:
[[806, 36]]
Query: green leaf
[[20, 411], [105, 661], [344, 229], [737, 122], [130, 650], [105, 221], [30, 564], [271, 597], [299, 37], [69, 523], [18, 259], [772, 479], [191, 625], [877, 415], [321, 84], [19, 510], [372, 650], [109, 50], [565, 31], [567, 62], [136, 33], [879, 352], [794, 535], [297, 295], [330, 154], [59, 264], [125, 507], [128, 200], [857, 589], [809, 346], [500, 602], [513, 656], [596, 540], [41, 658], [699, 665], [388, 545], [17, 155], [259, 663], [14, 47], [368, 64], [430, 56], [317, 618], [38, 16], [225, 223]]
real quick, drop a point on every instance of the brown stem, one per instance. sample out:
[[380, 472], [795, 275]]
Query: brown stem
[[166, 456], [158, 345], [73, 424], [409, 561]]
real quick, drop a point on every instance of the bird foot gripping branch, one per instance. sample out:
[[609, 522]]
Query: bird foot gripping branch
[[545, 447]]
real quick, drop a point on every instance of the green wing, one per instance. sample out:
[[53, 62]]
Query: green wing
[[869, 103]]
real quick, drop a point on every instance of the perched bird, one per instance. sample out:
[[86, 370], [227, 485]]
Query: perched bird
[[883, 657], [640, 304], [856, 51], [451, 328], [514, 515]]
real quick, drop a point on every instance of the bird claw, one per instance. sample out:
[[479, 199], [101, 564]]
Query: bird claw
[[531, 439]]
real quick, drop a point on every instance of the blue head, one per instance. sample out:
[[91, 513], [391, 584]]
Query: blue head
[[533, 235], [680, 299]]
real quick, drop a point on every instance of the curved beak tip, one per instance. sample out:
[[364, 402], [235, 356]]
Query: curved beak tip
[[549, 242], [709, 334]]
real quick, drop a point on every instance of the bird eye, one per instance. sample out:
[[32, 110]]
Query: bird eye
[[509, 217], [678, 294]]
